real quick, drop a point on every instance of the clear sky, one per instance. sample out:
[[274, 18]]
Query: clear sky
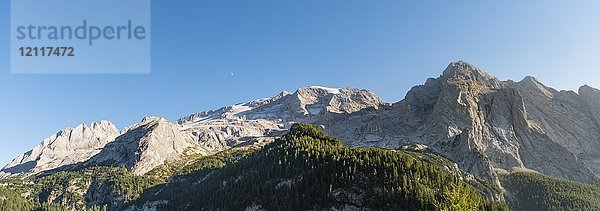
[[271, 46]]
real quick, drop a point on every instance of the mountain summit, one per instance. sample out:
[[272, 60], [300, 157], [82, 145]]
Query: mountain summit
[[69, 146]]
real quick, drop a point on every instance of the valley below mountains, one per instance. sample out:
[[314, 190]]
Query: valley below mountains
[[462, 141]]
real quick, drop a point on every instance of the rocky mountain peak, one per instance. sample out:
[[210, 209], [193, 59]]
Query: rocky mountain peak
[[144, 146], [465, 71], [150, 119], [530, 81], [68, 146], [311, 101], [103, 124], [318, 89], [591, 99], [588, 90], [306, 102], [465, 75], [529, 84]]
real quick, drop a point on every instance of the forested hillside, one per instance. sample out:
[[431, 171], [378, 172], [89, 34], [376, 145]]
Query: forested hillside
[[534, 191], [94, 188]]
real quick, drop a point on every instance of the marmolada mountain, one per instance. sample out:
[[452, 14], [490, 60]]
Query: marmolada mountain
[[462, 141]]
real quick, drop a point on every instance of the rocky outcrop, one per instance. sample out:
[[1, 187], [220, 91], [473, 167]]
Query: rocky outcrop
[[67, 147], [304, 105], [146, 145]]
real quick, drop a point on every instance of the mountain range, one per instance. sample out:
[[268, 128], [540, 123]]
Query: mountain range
[[487, 126]]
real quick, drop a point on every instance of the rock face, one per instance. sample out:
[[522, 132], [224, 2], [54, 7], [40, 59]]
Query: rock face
[[67, 147], [260, 121], [144, 146], [305, 104], [483, 124]]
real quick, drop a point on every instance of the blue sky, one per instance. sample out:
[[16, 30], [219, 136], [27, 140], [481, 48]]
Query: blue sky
[[270, 46]]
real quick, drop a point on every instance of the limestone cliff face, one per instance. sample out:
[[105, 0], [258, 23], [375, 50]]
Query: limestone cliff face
[[144, 146], [67, 147], [565, 121], [487, 125]]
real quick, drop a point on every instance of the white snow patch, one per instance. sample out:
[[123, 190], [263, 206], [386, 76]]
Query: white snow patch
[[239, 108], [197, 121], [453, 132], [328, 89]]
